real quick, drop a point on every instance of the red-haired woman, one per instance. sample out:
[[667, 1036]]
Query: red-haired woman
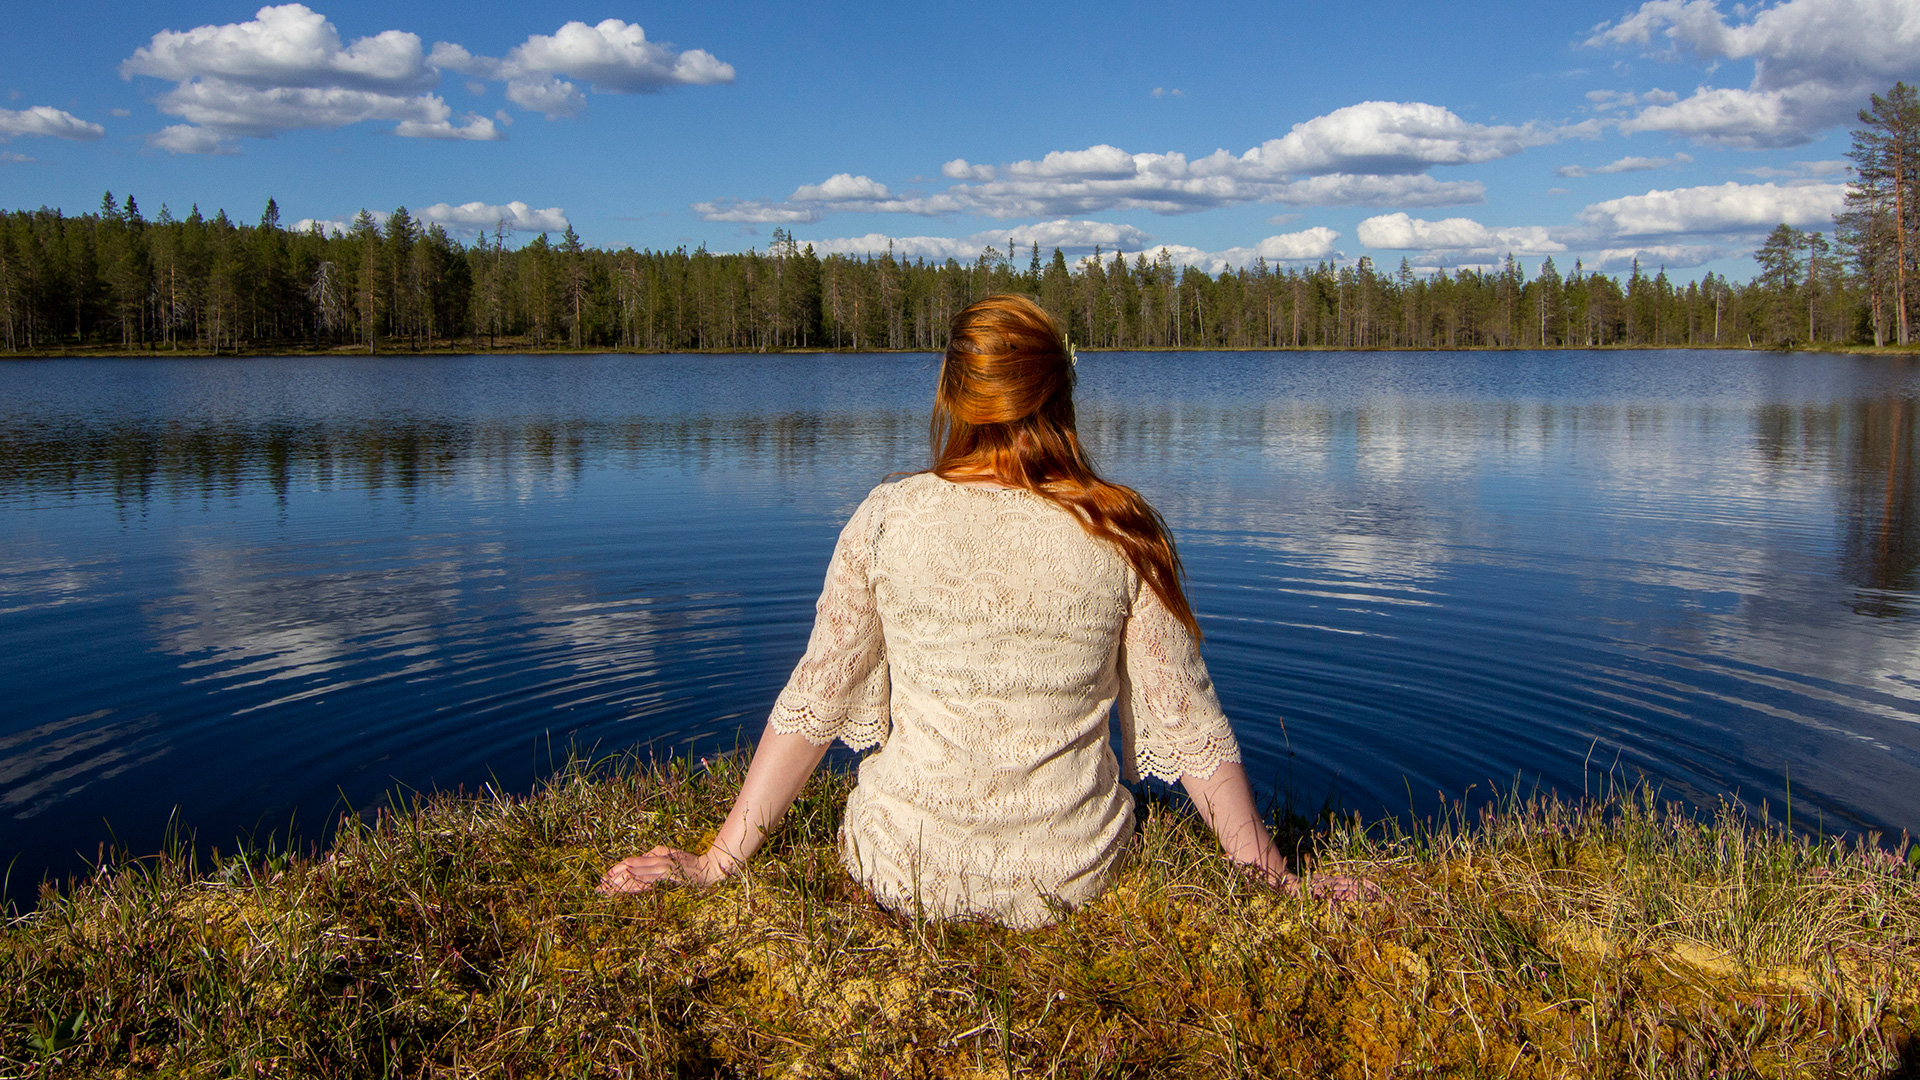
[[979, 623]]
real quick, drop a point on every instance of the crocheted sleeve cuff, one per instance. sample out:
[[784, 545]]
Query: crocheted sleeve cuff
[[859, 726]]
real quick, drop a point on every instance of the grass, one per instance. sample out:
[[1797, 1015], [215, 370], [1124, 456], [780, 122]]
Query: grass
[[458, 935]]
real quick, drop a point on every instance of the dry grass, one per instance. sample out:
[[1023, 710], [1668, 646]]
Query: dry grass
[[459, 936]]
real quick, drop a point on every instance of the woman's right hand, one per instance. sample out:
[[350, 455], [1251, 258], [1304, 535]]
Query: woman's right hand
[[1336, 888], [641, 872]]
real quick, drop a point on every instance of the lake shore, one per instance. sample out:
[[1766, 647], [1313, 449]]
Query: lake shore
[[458, 934], [520, 349]]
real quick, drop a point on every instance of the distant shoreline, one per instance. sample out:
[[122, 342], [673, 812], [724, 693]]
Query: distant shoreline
[[105, 353]]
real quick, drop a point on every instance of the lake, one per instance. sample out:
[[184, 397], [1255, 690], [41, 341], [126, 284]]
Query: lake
[[255, 593]]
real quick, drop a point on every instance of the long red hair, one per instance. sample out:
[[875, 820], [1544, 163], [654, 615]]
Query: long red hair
[[1004, 410]]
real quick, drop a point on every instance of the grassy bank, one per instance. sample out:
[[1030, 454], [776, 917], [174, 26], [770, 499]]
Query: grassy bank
[[459, 936]]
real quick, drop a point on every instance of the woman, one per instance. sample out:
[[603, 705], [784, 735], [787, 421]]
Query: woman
[[979, 622]]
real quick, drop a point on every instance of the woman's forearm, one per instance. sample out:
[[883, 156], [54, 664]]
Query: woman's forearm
[[780, 767], [1225, 802]]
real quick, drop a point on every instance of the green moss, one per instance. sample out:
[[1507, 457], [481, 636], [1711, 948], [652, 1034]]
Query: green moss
[[460, 936]]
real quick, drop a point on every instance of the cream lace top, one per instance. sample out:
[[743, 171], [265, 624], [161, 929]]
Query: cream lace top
[[980, 637]]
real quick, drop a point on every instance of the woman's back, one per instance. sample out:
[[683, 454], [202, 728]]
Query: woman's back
[[978, 633]]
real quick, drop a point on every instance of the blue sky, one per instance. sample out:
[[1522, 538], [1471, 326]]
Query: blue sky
[[1677, 131]]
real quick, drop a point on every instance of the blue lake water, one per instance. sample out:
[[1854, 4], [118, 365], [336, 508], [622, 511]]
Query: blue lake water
[[263, 590]]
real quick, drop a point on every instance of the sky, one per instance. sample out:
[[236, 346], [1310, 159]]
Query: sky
[[1677, 132]]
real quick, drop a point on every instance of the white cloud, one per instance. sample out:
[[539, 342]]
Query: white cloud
[[756, 213], [223, 109], [1307, 245], [961, 169], [8, 157], [1670, 256], [327, 226], [286, 46], [553, 98], [1342, 189], [841, 187], [1101, 162], [1800, 170], [1678, 228], [516, 215], [613, 56], [1376, 153], [288, 69], [1624, 165], [1815, 62], [1459, 236], [1729, 207], [1072, 237], [187, 139], [1611, 100], [1079, 239], [1391, 137], [46, 121]]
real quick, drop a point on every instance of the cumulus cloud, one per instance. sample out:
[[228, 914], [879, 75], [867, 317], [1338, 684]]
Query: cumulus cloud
[[47, 122], [1079, 239], [1345, 189], [1677, 228], [218, 109], [286, 46], [961, 169], [612, 56], [288, 69], [756, 213], [1624, 165], [1801, 170], [1391, 137], [1464, 236], [1307, 245], [1612, 100], [327, 226], [1376, 153], [1814, 63], [516, 216], [1729, 207], [1072, 237], [1670, 256], [842, 187], [187, 139]]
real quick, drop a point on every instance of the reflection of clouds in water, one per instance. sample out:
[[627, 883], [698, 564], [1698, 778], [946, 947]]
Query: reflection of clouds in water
[[33, 577], [1730, 508], [51, 762], [262, 615], [315, 621]]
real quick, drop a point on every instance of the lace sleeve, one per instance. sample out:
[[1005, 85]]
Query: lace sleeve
[[1170, 721], [839, 689]]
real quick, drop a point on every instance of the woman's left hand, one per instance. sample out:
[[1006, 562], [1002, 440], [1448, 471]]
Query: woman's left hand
[[640, 872]]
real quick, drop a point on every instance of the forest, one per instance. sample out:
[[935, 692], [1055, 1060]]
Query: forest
[[116, 280]]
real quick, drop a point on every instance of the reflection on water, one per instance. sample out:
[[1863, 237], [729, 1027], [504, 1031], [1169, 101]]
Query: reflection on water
[[267, 588], [1883, 537]]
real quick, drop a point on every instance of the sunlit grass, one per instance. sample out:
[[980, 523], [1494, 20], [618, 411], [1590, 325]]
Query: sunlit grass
[[458, 935]]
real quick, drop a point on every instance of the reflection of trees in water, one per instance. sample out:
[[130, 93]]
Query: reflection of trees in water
[[1881, 505], [135, 461]]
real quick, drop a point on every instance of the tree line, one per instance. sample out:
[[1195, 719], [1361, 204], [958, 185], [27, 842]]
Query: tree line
[[116, 279]]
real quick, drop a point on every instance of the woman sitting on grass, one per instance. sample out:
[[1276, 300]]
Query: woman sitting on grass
[[979, 622]]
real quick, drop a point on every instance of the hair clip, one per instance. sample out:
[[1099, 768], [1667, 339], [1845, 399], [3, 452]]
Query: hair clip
[[1073, 358]]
